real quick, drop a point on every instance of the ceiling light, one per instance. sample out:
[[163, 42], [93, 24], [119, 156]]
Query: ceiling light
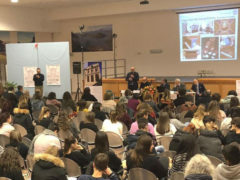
[[14, 1]]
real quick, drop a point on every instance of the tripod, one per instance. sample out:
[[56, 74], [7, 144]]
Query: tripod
[[77, 96]]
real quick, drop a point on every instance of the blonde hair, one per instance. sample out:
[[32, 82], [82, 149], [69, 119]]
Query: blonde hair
[[199, 164], [44, 110], [52, 150], [200, 113]]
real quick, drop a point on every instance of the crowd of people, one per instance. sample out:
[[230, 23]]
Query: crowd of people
[[210, 127]]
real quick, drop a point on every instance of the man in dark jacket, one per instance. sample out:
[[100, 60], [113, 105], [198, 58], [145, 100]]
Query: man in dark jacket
[[234, 135], [38, 81], [197, 87], [132, 79]]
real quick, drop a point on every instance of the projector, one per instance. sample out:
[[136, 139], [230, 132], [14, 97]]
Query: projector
[[144, 2]]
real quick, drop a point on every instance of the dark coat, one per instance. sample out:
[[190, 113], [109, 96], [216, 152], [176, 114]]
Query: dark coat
[[45, 122], [12, 174], [21, 148], [89, 97], [198, 177], [210, 143], [143, 85], [38, 81], [201, 88], [91, 126], [132, 84], [48, 167], [232, 137]]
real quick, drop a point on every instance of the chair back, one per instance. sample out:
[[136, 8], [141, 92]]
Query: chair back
[[38, 129], [88, 136], [21, 129], [141, 174], [81, 116], [26, 141], [98, 123], [177, 176], [30, 162], [164, 141], [4, 140], [167, 154], [215, 161], [53, 109], [115, 140], [72, 168], [64, 134], [4, 178]]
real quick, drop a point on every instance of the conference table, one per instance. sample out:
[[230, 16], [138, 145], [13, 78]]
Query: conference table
[[216, 85]]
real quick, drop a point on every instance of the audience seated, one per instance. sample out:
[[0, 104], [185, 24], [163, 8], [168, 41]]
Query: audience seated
[[210, 139], [108, 101], [51, 100], [99, 114], [149, 109], [100, 168], [133, 102], [112, 124], [227, 99], [199, 168], [147, 98], [178, 85], [205, 98], [230, 169], [37, 102], [142, 156], [19, 91], [122, 115], [26, 97], [76, 152], [87, 96], [12, 98], [234, 134], [88, 122], [102, 146], [181, 99], [127, 95], [10, 165], [48, 165], [44, 117], [5, 124], [142, 113], [16, 142], [23, 118], [226, 123], [68, 101], [217, 97], [164, 127], [214, 111], [198, 117], [234, 102]]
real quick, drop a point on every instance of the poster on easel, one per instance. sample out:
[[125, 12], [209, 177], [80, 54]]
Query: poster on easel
[[28, 73], [53, 75]]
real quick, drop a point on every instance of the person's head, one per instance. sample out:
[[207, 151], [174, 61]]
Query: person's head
[[143, 124], [232, 92], [54, 128], [101, 142], [216, 97], [15, 137], [147, 97], [235, 112], [177, 82], [200, 112], [209, 122], [128, 93], [11, 88], [234, 102], [20, 88], [45, 113], [231, 154], [52, 95], [143, 113], [96, 107], [164, 81], [38, 70], [195, 82], [135, 95], [26, 93], [7, 106], [163, 124], [182, 92], [86, 91], [144, 79], [108, 96], [143, 147], [70, 144], [213, 108], [37, 95], [121, 108], [144, 106], [23, 105], [187, 145], [82, 105], [9, 160], [199, 164], [113, 116], [100, 162], [5, 118], [132, 69], [190, 128], [67, 96], [235, 123], [90, 117]]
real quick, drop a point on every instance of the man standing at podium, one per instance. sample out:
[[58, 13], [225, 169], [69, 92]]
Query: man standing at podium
[[132, 79], [38, 81]]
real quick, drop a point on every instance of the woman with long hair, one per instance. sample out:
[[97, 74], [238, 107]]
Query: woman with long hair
[[234, 102], [44, 117], [88, 122], [113, 124], [164, 127], [99, 114], [102, 146], [37, 102], [198, 116], [5, 124], [87, 96], [141, 157], [76, 152], [52, 100], [68, 101], [10, 165], [122, 115], [215, 112]]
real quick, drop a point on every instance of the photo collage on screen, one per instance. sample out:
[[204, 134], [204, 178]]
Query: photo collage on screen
[[209, 37]]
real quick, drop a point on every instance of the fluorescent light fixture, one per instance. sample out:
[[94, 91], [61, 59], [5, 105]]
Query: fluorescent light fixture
[[14, 1]]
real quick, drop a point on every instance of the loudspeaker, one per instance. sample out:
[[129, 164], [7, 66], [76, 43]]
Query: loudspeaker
[[76, 67]]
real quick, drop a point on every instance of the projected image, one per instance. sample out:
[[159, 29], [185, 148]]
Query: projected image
[[209, 35], [224, 27], [227, 47], [210, 48]]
